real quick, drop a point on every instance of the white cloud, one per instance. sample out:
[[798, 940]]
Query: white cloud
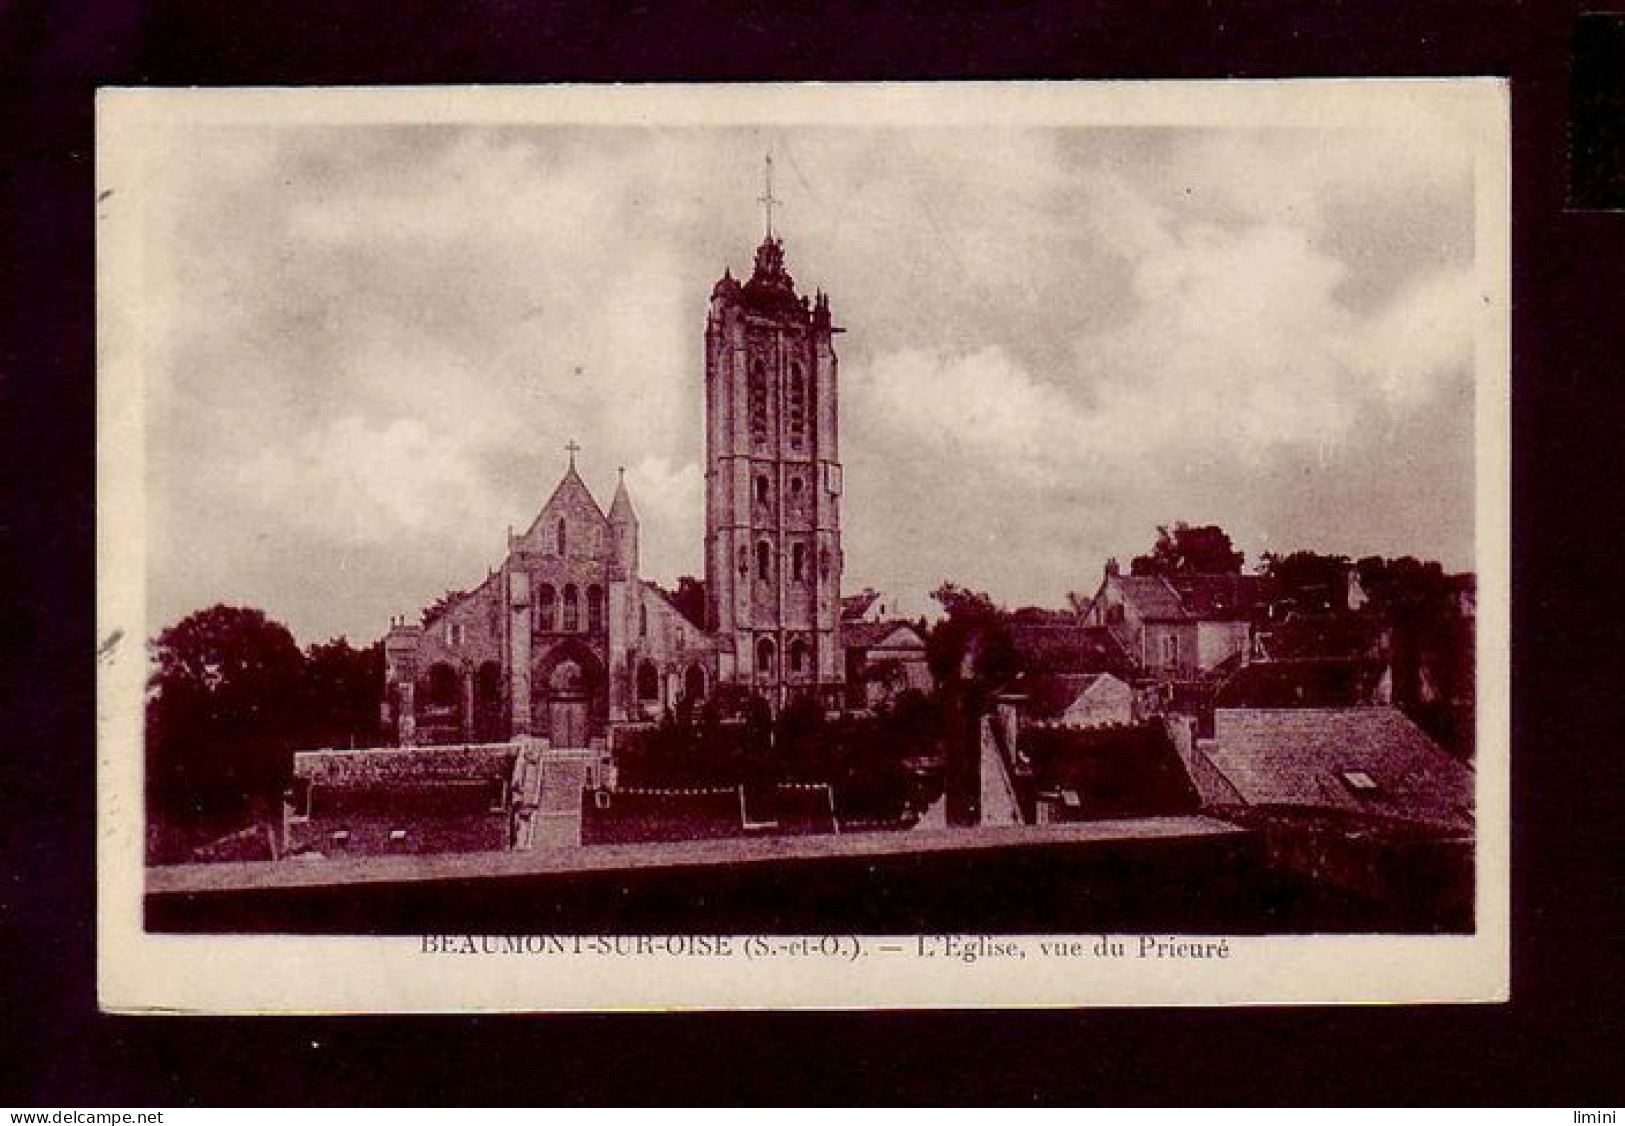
[[669, 500], [384, 338], [364, 482]]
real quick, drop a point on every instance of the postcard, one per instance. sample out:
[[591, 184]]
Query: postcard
[[803, 546]]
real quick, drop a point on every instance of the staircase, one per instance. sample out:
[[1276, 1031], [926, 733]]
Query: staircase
[[547, 787]]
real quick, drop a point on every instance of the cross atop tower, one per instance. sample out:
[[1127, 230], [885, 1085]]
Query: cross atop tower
[[766, 198], [573, 449]]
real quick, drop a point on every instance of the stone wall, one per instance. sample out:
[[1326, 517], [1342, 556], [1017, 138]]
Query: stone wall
[[391, 765]]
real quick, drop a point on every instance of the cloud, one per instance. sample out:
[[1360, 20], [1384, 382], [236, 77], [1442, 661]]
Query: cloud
[[378, 340], [979, 409], [361, 482]]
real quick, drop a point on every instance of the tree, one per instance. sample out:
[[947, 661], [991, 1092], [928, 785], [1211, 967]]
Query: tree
[[341, 694], [1186, 550], [973, 637], [222, 713], [800, 739], [1307, 580]]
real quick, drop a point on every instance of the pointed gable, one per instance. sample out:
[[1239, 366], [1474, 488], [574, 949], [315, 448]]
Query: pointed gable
[[585, 528]]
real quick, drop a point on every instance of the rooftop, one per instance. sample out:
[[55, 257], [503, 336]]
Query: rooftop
[[1371, 761]]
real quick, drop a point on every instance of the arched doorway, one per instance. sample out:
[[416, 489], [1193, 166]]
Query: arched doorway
[[568, 702], [694, 684], [567, 705], [765, 653]]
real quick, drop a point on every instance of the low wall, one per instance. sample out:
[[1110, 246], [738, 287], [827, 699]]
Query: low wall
[[1179, 875], [350, 768]]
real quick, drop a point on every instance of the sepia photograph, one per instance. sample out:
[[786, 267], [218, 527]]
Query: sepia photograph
[[801, 546]]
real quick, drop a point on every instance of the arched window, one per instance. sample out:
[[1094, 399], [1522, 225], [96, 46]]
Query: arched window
[[559, 535], [547, 609], [764, 656], [758, 402], [763, 488], [798, 562], [572, 610], [595, 608], [764, 561], [643, 621], [798, 656], [796, 485], [798, 407], [648, 682], [823, 562], [744, 560]]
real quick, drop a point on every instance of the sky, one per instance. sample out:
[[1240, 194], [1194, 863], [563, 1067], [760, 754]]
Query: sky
[[367, 346]]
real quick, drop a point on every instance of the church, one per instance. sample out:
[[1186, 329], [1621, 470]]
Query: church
[[565, 639]]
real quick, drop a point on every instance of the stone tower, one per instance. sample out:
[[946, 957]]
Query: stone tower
[[773, 484]]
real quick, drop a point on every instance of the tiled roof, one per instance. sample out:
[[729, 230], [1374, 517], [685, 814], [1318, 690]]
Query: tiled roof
[[1181, 598], [1068, 648], [1152, 597], [670, 599], [1050, 694], [1302, 757]]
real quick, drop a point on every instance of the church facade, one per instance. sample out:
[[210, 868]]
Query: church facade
[[565, 639]]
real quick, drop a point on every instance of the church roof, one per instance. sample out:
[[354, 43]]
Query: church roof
[[570, 491]]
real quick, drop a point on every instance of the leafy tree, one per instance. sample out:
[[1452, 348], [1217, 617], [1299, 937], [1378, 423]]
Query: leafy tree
[[974, 636], [1186, 550], [1308, 580], [341, 694], [801, 739], [221, 714], [1405, 588]]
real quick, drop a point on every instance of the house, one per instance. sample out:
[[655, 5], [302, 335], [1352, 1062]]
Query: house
[[1072, 699], [1359, 799], [884, 652], [1181, 627], [883, 660], [871, 605], [1371, 763]]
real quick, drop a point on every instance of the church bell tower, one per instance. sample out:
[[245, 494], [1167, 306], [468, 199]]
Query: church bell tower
[[773, 482]]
